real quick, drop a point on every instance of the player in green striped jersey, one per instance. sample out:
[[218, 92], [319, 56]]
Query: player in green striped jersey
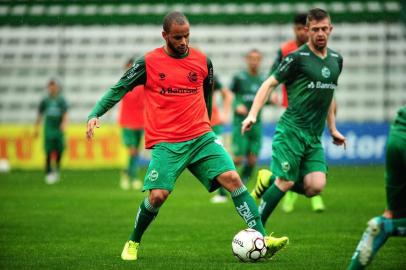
[[311, 76]]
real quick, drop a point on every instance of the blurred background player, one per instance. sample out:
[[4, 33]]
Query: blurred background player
[[217, 121], [264, 176], [53, 109], [244, 86], [131, 120], [311, 75], [393, 221]]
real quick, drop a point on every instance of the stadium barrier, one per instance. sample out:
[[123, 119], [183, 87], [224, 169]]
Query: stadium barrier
[[366, 144]]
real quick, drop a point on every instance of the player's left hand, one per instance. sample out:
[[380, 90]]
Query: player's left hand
[[247, 123], [338, 138]]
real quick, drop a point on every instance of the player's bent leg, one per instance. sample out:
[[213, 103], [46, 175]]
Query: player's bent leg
[[147, 211], [244, 203], [314, 183], [272, 197], [247, 209]]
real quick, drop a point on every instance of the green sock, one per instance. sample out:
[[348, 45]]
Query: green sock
[[247, 209], [222, 191], [146, 214], [395, 227], [269, 202], [132, 167], [246, 172]]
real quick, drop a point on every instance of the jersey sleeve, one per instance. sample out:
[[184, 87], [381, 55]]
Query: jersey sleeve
[[208, 84], [134, 76], [286, 69], [277, 61]]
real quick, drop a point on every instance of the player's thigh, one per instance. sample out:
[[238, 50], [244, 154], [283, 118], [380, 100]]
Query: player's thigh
[[287, 152], [255, 139], [239, 142], [164, 168], [314, 161], [211, 161], [395, 175]]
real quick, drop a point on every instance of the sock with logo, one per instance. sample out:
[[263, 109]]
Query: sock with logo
[[247, 209], [269, 202], [145, 215]]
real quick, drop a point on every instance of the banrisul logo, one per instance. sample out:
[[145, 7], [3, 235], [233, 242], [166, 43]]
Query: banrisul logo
[[178, 91], [325, 72], [311, 85]]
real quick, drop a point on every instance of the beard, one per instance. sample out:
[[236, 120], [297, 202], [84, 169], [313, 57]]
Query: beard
[[176, 50]]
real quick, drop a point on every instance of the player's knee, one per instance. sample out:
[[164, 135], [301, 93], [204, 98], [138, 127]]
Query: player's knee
[[158, 197], [314, 190], [230, 180]]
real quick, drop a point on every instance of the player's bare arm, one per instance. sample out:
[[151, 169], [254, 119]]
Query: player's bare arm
[[260, 98], [338, 138]]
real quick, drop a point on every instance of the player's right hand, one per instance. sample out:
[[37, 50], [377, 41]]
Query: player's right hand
[[247, 124], [93, 122]]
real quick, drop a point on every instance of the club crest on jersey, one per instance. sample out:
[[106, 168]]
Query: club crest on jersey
[[285, 166], [162, 76], [192, 76], [325, 72]]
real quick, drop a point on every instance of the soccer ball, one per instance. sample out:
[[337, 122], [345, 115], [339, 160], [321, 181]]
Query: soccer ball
[[4, 166], [248, 245]]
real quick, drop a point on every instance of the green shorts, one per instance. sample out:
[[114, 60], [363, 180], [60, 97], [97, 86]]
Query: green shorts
[[395, 174], [296, 154], [204, 156], [132, 137], [249, 143], [54, 144]]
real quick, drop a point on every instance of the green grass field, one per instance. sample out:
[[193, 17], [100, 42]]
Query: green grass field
[[83, 222]]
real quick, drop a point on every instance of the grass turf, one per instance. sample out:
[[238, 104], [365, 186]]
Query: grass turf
[[83, 222]]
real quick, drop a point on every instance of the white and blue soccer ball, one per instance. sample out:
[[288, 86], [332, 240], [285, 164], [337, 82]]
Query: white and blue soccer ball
[[248, 245]]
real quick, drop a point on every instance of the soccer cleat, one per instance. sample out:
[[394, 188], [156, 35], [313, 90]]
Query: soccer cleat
[[262, 184], [136, 184], [373, 238], [124, 182], [317, 203], [130, 251], [289, 200], [274, 244], [219, 199], [52, 178]]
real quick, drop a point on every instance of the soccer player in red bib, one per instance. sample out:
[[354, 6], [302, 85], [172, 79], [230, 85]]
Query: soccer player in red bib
[[178, 86], [131, 121]]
